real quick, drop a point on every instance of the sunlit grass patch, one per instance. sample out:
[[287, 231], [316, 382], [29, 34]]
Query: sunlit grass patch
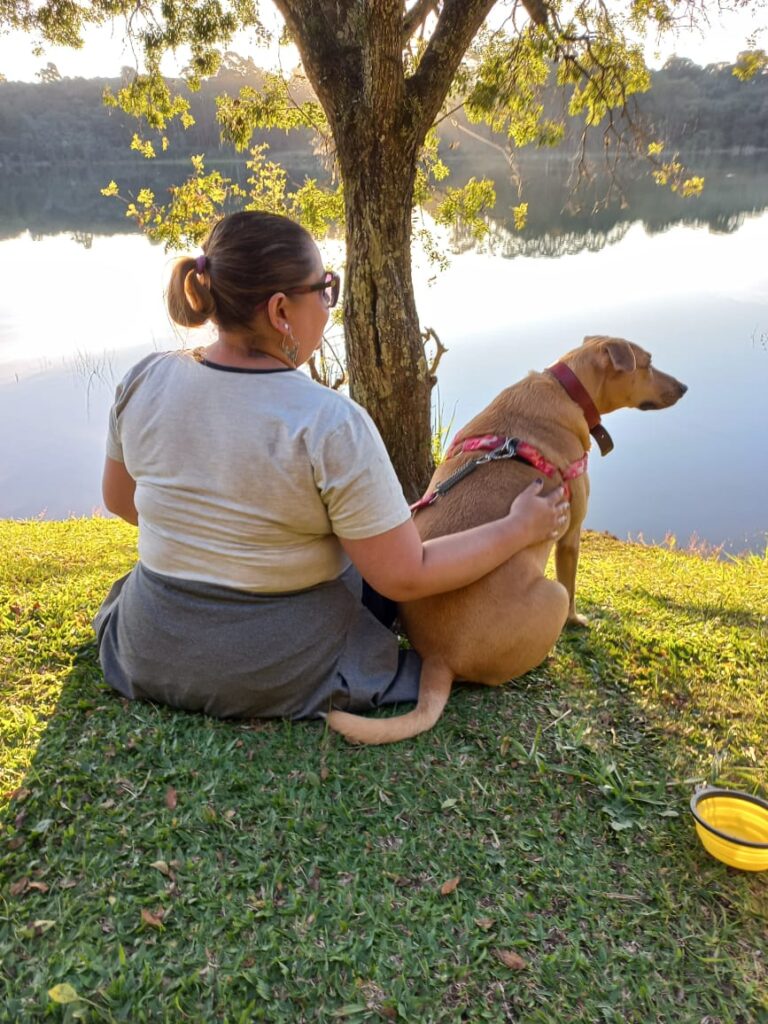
[[167, 866]]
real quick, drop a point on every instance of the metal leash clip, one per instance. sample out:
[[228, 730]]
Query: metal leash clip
[[508, 450]]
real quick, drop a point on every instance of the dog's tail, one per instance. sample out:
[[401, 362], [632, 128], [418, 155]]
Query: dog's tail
[[434, 690]]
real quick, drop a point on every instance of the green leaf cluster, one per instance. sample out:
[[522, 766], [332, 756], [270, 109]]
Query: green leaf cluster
[[149, 98], [671, 173], [272, 106], [430, 170], [204, 27], [431, 248], [317, 208], [604, 78], [506, 90], [750, 63], [657, 12], [267, 181], [185, 220], [468, 205], [520, 215]]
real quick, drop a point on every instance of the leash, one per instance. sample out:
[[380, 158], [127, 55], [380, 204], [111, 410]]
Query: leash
[[499, 447]]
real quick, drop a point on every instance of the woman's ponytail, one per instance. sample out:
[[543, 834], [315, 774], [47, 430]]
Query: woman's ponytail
[[249, 256], [189, 299]]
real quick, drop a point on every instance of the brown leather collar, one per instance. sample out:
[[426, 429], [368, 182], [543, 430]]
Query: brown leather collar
[[565, 376]]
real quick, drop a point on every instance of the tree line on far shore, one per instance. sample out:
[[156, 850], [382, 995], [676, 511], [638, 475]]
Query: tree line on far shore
[[62, 122]]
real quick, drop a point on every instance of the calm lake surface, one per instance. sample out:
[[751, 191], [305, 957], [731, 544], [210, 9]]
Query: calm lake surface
[[77, 309]]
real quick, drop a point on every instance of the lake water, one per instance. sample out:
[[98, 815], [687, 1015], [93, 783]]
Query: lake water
[[76, 310]]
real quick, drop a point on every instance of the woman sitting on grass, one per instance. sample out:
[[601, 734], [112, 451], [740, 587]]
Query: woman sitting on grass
[[261, 498]]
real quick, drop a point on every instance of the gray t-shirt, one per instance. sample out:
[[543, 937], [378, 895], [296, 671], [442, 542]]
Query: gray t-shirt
[[247, 479]]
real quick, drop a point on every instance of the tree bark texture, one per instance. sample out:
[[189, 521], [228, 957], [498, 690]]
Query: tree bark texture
[[385, 353], [352, 51]]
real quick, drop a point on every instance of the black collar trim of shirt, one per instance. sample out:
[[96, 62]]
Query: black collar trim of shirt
[[241, 369]]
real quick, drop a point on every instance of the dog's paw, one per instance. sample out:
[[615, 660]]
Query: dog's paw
[[577, 621]]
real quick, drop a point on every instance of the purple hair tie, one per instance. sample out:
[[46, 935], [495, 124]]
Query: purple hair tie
[[201, 263]]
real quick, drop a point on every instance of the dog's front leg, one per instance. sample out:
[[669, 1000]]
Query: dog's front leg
[[566, 561]]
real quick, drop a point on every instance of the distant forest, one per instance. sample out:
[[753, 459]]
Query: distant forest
[[63, 123], [59, 146]]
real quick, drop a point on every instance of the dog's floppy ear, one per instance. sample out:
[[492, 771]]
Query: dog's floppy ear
[[621, 354]]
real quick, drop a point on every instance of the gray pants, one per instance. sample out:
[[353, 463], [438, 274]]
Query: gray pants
[[234, 654]]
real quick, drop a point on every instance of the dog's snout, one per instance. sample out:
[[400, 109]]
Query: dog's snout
[[683, 388]]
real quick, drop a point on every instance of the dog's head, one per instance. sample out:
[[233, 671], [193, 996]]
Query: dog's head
[[620, 375]]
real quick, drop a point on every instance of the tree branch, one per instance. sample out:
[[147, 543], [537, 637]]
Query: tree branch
[[316, 37], [415, 17], [427, 335], [352, 55], [538, 11], [456, 27]]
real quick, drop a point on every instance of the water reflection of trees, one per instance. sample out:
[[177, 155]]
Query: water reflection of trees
[[510, 244], [50, 201], [563, 221]]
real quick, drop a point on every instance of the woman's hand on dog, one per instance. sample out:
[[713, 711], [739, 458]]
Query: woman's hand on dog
[[402, 567], [539, 517]]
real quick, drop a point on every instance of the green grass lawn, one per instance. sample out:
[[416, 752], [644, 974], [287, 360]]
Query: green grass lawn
[[173, 868]]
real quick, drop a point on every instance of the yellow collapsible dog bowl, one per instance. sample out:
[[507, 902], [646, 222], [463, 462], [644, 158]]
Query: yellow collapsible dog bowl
[[733, 827]]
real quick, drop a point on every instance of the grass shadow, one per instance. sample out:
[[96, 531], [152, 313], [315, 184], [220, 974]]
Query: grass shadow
[[712, 611]]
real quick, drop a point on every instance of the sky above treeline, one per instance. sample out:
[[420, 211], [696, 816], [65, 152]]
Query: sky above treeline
[[106, 51]]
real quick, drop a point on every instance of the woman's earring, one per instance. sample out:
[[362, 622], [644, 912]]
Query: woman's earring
[[289, 348]]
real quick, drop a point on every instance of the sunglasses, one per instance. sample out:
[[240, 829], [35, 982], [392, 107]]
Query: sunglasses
[[329, 285]]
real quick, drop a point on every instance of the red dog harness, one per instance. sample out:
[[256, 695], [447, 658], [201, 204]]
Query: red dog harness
[[500, 448]]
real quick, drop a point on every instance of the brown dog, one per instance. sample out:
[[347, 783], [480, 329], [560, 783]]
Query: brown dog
[[506, 623]]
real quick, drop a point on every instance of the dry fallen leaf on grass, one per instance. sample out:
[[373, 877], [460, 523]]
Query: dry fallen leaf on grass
[[449, 886], [37, 928], [17, 888], [170, 798], [161, 866], [153, 920], [484, 922], [512, 960]]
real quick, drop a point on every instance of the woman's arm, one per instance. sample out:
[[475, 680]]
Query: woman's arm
[[402, 567], [117, 489]]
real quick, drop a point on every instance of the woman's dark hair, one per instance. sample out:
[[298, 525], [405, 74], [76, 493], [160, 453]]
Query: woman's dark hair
[[248, 257]]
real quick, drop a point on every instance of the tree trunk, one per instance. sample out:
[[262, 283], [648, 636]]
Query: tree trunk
[[385, 353]]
